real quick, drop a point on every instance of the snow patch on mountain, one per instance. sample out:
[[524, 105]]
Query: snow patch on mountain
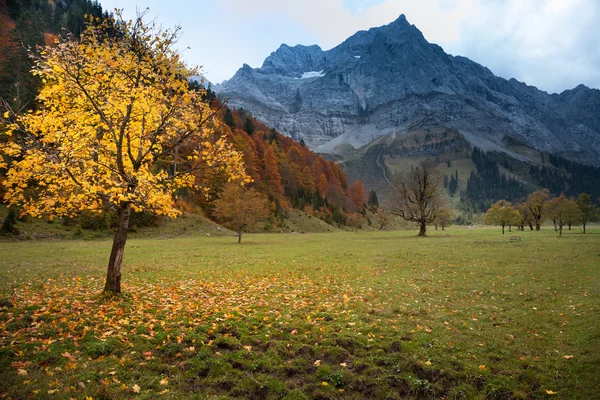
[[312, 74]]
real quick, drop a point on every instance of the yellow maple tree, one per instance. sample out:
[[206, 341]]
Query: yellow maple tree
[[117, 126]]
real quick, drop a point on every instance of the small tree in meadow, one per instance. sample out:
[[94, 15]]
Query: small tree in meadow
[[536, 203], [562, 211], [416, 195], [240, 209], [444, 217], [587, 210], [383, 218], [502, 213]]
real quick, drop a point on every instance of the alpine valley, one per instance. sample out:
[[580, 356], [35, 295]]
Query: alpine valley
[[385, 98]]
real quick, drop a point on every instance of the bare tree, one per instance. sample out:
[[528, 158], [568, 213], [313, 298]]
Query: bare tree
[[383, 219], [416, 195]]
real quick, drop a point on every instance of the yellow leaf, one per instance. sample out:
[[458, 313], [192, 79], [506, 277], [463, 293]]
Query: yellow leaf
[[22, 372], [249, 348], [427, 362], [317, 363], [482, 367], [324, 383], [136, 388], [164, 381], [550, 392], [568, 357]]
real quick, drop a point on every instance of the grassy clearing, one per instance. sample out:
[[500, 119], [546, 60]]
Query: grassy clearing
[[460, 314]]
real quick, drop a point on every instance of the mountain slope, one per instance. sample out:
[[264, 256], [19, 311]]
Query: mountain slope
[[387, 79]]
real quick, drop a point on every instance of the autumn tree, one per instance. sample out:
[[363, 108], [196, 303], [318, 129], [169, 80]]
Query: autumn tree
[[112, 109], [586, 208], [416, 195], [536, 203], [502, 213], [561, 210], [272, 177], [526, 218], [239, 208], [444, 217], [357, 194], [356, 221]]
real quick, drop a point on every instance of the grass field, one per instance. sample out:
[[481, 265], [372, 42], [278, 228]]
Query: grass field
[[459, 314]]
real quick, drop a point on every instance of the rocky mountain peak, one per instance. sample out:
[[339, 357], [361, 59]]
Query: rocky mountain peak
[[387, 79]]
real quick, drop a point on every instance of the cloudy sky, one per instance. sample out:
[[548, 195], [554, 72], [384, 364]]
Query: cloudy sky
[[551, 44]]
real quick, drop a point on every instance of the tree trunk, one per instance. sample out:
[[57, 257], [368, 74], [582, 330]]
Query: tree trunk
[[560, 229], [113, 274], [443, 226], [530, 226], [584, 228], [436, 227], [510, 228], [423, 229], [239, 236], [503, 229], [569, 226], [537, 226]]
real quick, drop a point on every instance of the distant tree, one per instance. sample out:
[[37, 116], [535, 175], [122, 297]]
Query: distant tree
[[502, 213], [302, 143], [453, 185], [239, 208], [272, 177], [383, 218], [357, 194], [572, 214], [586, 207], [373, 202], [249, 126], [536, 203], [444, 217], [416, 195], [355, 220], [228, 118], [562, 211], [526, 216]]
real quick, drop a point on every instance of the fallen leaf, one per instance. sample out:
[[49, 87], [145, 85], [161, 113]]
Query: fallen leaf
[[249, 348], [344, 365], [550, 392], [22, 372], [427, 362], [164, 381], [317, 363], [568, 357], [482, 367], [324, 383], [136, 388]]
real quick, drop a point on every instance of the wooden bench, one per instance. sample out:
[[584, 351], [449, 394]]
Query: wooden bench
[[515, 238]]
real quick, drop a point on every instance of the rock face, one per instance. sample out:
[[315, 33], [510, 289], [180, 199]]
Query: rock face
[[389, 79]]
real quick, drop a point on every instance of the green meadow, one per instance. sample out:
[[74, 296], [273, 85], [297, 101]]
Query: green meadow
[[460, 314]]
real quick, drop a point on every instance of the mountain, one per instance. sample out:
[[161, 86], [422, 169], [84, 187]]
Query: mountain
[[387, 80]]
